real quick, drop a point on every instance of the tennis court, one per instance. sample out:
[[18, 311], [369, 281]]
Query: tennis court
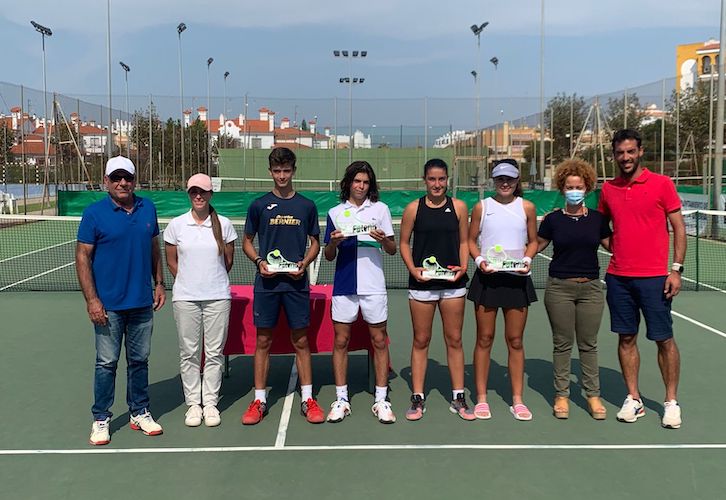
[[46, 382]]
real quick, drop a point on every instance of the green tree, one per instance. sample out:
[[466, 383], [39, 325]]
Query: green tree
[[616, 111], [7, 139], [693, 116], [564, 113], [304, 125]]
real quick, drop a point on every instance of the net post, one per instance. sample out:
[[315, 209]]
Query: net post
[[698, 237]]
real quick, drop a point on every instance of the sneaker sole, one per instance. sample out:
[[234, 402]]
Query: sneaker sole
[[98, 443], [465, 417], [670, 426], [152, 433], [412, 417], [193, 424], [251, 423], [213, 423], [631, 421]]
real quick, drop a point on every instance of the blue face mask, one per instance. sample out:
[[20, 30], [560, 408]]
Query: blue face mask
[[574, 196]]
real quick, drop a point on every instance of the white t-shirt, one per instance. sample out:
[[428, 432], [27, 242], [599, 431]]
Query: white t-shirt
[[359, 265], [201, 273]]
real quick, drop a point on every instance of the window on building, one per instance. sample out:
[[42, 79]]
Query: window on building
[[706, 65]]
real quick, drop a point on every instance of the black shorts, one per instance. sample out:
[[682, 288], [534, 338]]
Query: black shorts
[[503, 290]]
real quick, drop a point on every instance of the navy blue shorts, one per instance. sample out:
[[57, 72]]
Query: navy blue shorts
[[627, 297], [266, 309]]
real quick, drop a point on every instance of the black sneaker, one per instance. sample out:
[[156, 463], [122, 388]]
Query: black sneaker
[[417, 409]]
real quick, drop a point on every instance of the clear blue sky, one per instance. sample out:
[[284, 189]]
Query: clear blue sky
[[283, 49]]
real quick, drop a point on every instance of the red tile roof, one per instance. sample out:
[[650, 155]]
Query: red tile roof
[[32, 148], [254, 126], [287, 133]]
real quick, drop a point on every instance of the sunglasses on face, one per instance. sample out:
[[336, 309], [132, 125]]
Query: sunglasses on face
[[118, 177], [197, 192]]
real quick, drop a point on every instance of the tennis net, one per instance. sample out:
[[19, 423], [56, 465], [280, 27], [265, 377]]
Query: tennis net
[[37, 254]]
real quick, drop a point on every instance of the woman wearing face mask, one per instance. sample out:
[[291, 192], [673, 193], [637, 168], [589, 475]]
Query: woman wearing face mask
[[573, 296]]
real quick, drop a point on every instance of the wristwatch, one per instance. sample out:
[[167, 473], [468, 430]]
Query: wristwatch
[[677, 267]]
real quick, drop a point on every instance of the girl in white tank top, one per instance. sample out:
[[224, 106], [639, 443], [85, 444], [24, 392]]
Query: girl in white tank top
[[507, 225]]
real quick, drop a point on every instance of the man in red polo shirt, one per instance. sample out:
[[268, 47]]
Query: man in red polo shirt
[[640, 204]]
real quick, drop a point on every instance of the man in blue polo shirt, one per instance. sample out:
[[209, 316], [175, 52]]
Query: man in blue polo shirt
[[117, 255]]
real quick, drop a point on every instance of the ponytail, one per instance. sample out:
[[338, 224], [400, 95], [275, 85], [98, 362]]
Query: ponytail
[[216, 229]]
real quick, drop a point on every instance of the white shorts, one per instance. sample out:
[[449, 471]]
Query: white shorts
[[374, 308], [436, 295]]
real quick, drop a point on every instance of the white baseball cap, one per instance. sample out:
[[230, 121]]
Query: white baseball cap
[[120, 163]]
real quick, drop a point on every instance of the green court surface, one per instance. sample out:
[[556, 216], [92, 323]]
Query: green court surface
[[46, 385]]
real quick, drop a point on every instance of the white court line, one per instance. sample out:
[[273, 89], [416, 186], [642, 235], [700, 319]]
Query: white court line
[[37, 251], [371, 447], [675, 313], [37, 276], [287, 408]]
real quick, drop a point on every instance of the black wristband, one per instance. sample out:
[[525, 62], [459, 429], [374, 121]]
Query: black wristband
[[257, 261]]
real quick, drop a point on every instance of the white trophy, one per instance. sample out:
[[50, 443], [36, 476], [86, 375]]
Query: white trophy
[[499, 260], [276, 263], [348, 224], [433, 270]]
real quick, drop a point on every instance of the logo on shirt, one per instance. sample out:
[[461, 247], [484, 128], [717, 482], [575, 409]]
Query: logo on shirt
[[448, 210], [284, 220], [490, 214], [271, 206]]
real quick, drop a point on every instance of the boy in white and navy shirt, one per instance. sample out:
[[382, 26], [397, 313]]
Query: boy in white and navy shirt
[[359, 282]]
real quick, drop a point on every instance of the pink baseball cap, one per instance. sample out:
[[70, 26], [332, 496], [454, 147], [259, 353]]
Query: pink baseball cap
[[202, 181]]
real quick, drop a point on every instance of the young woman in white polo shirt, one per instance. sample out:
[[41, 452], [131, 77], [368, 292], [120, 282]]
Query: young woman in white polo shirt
[[503, 230], [199, 254]]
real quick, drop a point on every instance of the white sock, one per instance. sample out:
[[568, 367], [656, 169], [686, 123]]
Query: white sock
[[341, 392], [261, 394], [306, 391], [419, 394], [381, 393], [457, 392]]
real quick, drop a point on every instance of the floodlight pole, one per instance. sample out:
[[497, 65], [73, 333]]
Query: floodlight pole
[[43, 33], [350, 81], [541, 95], [209, 150], [224, 115], [126, 69], [718, 166], [109, 147], [477, 29], [180, 29]]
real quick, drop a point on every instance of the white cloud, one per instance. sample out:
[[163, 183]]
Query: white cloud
[[404, 19]]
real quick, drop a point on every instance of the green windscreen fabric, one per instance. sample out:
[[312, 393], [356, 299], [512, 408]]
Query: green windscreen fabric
[[235, 204]]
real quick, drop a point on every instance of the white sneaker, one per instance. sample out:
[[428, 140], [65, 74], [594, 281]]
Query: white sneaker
[[145, 423], [339, 409], [631, 410], [211, 416], [100, 433], [193, 416], [671, 415], [383, 411]]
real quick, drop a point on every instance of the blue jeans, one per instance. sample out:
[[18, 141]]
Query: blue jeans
[[136, 325]]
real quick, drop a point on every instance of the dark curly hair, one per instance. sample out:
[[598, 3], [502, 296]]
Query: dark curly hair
[[579, 168]]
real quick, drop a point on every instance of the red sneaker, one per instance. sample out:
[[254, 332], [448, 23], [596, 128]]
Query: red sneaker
[[312, 412], [255, 412]]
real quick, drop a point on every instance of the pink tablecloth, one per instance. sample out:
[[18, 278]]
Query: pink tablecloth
[[241, 337]]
